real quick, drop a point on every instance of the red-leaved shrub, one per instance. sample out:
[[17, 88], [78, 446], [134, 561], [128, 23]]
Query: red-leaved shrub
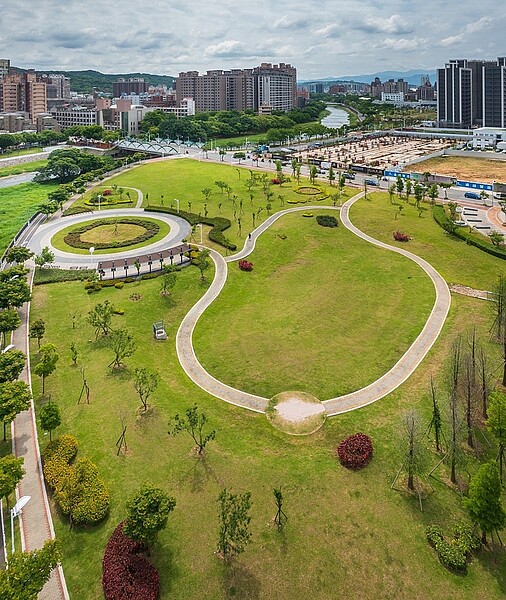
[[355, 451], [245, 265], [401, 237], [275, 181], [126, 575], [107, 193]]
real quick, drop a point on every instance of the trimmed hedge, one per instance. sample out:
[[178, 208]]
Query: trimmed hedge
[[42, 276], [76, 210], [444, 221], [126, 575], [74, 240], [218, 224], [327, 221], [355, 451], [78, 490]]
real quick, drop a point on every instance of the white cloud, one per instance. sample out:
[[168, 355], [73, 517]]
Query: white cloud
[[327, 31], [405, 44], [474, 27], [225, 48], [395, 24]]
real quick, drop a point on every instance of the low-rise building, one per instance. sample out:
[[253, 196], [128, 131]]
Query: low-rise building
[[487, 138]]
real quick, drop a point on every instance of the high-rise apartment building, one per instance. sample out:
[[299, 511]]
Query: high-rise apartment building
[[133, 85], [265, 88], [22, 92], [57, 86], [472, 92], [5, 65]]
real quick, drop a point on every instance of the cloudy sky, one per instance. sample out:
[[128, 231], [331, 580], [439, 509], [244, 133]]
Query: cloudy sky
[[320, 37]]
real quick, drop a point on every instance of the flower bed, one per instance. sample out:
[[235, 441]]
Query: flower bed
[[74, 240], [126, 575], [355, 451], [245, 265]]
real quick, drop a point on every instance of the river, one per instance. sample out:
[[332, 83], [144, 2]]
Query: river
[[337, 117]]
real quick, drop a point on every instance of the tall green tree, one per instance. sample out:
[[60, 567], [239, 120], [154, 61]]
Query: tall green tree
[[148, 513], [100, 317], [194, 423], [15, 397], [145, 383], [484, 500], [18, 254], [11, 473], [46, 257], [9, 321], [234, 517], [48, 358], [202, 262], [497, 424], [28, 572], [499, 324], [12, 363], [122, 343], [37, 330], [14, 290]]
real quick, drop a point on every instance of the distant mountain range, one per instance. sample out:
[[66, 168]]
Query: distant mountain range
[[85, 82], [412, 77]]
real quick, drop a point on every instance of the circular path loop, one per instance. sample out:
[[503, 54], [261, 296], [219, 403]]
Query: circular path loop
[[371, 393]]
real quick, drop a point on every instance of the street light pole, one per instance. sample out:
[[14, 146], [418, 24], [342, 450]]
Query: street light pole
[[15, 512], [176, 200]]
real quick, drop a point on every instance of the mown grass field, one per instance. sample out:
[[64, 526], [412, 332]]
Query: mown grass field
[[17, 205], [348, 533], [319, 306]]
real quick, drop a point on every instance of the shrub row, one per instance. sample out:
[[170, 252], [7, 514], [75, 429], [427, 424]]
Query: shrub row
[[126, 575], [106, 202], [74, 237], [218, 224], [96, 286], [78, 490], [444, 221], [42, 276], [327, 221], [453, 555], [355, 451], [76, 210]]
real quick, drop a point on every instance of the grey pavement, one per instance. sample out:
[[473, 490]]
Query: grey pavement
[[35, 521], [373, 392]]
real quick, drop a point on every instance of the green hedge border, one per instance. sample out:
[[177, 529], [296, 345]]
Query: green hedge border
[[218, 224], [444, 221], [73, 238]]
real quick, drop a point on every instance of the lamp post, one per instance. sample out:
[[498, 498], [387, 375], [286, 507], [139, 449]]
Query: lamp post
[[99, 198], [200, 225], [15, 512], [176, 200], [92, 249]]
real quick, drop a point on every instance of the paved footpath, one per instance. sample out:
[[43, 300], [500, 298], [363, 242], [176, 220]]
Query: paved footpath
[[375, 391], [35, 520]]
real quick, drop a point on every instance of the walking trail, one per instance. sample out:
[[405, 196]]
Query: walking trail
[[371, 393]]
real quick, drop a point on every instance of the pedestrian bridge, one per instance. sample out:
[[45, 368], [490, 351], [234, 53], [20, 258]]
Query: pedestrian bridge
[[158, 146]]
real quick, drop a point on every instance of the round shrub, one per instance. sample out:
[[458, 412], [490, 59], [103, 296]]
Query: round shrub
[[434, 534], [451, 557], [355, 451], [327, 221], [245, 265], [126, 574]]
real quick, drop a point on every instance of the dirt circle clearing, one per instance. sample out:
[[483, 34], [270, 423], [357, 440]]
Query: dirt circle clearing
[[296, 413]]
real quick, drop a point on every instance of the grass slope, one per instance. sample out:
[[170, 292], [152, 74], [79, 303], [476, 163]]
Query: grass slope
[[322, 312]]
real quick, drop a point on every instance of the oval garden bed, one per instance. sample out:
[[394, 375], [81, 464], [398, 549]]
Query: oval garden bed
[[109, 235]]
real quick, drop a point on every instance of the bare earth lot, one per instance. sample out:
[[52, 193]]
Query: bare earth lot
[[480, 169]]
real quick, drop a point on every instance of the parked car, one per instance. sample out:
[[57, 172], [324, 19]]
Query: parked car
[[472, 195], [348, 175], [371, 182]]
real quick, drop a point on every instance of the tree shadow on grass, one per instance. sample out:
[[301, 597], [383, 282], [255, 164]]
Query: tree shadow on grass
[[493, 559], [199, 474], [239, 582]]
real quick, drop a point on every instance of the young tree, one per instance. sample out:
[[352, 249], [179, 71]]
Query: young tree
[[50, 418], [484, 500], [313, 172], [391, 192], [399, 185], [100, 318], [413, 448], [148, 513], [418, 190], [18, 254], [433, 193], [168, 281], [497, 238], [145, 383], [37, 330], [202, 262], [28, 572], [409, 189], [11, 365], [11, 473], [47, 363], [280, 519], [194, 424], [234, 518], [331, 175], [74, 353], [452, 207], [122, 343], [9, 321], [436, 422], [14, 398], [497, 424], [45, 257]]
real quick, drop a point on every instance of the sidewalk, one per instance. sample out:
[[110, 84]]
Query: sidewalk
[[35, 521]]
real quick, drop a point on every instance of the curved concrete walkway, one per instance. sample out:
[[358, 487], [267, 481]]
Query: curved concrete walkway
[[375, 391], [179, 229]]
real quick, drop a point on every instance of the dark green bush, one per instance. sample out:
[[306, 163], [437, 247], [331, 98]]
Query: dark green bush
[[42, 276], [74, 240], [451, 557], [434, 534], [466, 538], [218, 224], [327, 221]]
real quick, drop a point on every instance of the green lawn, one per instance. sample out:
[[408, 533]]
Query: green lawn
[[322, 312], [454, 259], [17, 205], [185, 179], [58, 240], [24, 152], [347, 534], [127, 199], [30, 167]]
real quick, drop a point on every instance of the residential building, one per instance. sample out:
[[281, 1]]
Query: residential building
[[396, 97], [22, 92], [57, 86], [5, 65], [133, 85], [14, 122], [388, 87], [265, 88], [471, 93]]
